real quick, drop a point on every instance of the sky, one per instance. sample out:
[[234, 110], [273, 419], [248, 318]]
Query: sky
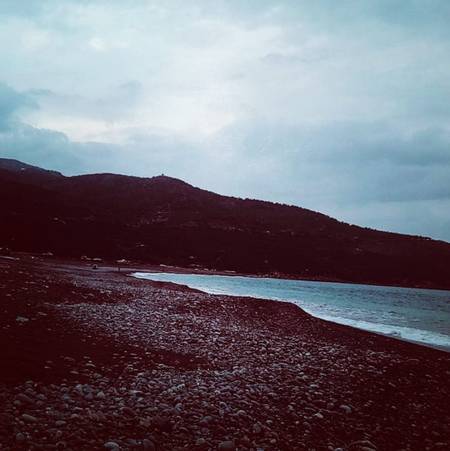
[[340, 107]]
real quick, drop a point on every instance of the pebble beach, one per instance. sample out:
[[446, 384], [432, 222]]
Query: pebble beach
[[95, 359]]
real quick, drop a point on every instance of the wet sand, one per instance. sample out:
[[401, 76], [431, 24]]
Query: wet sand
[[95, 359]]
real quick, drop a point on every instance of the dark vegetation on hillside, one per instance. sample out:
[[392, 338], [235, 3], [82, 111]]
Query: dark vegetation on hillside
[[165, 220]]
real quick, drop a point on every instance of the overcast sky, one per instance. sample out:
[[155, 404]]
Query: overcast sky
[[338, 106]]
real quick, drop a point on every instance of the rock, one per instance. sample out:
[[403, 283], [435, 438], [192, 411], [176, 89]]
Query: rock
[[227, 446], [128, 411], [318, 415], [345, 408], [179, 407], [60, 423], [20, 437], [363, 445], [30, 392], [24, 398], [163, 424], [148, 445], [206, 420], [100, 395], [112, 445], [58, 435], [200, 442], [29, 418], [79, 389], [257, 429], [22, 319]]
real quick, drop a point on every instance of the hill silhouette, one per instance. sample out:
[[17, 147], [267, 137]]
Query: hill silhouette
[[165, 220]]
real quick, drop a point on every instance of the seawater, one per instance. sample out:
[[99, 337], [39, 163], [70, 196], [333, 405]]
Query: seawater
[[412, 314]]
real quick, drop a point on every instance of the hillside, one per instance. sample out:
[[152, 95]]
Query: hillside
[[165, 220]]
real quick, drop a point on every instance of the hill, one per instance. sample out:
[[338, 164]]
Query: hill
[[165, 220]]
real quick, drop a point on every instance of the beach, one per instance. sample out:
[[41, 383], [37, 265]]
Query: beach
[[96, 359]]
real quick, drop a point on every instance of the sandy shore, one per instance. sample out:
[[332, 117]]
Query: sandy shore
[[93, 359]]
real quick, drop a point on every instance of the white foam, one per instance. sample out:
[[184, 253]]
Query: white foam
[[320, 310], [405, 333]]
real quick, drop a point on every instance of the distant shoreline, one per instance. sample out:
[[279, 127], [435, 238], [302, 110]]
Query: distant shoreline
[[403, 339], [142, 266], [186, 270]]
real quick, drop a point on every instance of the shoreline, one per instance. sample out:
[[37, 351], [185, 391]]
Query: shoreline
[[187, 270], [415, 342], [101, 360]]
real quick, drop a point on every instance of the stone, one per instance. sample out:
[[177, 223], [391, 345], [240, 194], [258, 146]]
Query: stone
[[20, 437], [364, 444], [112, 446], [29, 418], [79, 389], [24, 398], [257, 428], [148, 445], [163, 424], [22, 319], [128, 411], [345, 408], [205, 420], [227, 445]]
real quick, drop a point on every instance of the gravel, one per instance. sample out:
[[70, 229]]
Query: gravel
[[117, 363]]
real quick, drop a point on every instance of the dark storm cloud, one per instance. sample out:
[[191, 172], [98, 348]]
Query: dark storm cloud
[[11, 102], [356, 161], [152, 152]]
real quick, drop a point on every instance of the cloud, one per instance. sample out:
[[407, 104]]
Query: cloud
[[340, 108], [13, 8], [11, 103]]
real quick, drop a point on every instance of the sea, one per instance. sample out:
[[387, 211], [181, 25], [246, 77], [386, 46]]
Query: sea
[[412, 314]]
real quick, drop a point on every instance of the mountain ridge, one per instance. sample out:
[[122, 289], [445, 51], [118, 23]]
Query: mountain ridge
[[166, 220]]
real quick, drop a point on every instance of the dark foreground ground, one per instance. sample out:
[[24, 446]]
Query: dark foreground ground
[[93, 359]]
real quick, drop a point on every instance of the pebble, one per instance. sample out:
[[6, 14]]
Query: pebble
[[257, 428], [22, 319], [148, 445], [227, 446], [29, 418], [113, 446], [263, 401], [20, 437], [24, 398]]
